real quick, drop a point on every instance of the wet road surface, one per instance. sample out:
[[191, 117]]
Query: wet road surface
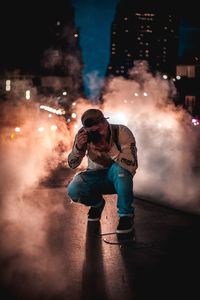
[[49, 251]]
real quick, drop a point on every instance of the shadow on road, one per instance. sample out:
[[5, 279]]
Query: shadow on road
[[93, 279]]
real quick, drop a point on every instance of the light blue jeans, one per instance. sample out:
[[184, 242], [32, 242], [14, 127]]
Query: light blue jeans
[[88, 187]]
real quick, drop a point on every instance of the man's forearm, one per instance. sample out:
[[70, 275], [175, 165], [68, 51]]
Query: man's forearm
[[75, 157]]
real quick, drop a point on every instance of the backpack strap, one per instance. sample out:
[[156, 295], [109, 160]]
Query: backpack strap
[[115, 135]]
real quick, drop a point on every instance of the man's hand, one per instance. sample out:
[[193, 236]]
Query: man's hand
[[81, 140], [98, 156]]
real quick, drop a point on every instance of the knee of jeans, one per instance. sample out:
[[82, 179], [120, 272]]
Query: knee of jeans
[[73, 192]]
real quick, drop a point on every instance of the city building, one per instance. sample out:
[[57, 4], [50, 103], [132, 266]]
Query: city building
[[165, 38], [40, 53], [143, 33]]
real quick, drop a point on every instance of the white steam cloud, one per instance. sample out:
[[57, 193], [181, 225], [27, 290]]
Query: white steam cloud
[[95, 83], [32, 145], [166, 140]]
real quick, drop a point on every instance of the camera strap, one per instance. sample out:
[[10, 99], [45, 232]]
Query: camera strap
[[115, 135]]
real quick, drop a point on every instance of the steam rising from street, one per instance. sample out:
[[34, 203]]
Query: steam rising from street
[[166, 141], [166, 144], [29, 153]]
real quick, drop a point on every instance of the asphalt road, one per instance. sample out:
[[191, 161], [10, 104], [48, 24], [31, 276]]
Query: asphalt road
[[48, 251]]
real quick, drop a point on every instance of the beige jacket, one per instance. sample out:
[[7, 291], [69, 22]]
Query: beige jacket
[[122, 150]]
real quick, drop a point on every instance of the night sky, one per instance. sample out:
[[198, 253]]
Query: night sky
[[94, 19]]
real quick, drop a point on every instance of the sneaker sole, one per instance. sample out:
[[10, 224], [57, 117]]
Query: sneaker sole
[[126, 230]]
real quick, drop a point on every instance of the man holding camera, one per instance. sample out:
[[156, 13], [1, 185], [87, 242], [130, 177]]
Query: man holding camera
[[112, 162]]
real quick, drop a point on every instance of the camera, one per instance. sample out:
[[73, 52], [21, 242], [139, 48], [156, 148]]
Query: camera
[[94, 137]]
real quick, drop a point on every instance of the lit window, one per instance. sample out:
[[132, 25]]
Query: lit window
[[56, 53], [28, 95], [186, 70], [190, 103], [8, 85]]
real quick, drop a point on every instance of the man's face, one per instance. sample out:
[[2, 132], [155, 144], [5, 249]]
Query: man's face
[[100, 127]]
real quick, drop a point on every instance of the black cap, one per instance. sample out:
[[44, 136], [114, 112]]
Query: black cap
[[92, 117]]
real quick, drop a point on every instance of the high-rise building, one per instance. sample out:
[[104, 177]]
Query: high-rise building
[[147, 32]]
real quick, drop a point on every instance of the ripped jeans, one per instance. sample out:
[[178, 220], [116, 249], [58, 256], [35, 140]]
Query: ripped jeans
[[88, 187]]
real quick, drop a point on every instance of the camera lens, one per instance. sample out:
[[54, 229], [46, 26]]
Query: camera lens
[[94, 136]]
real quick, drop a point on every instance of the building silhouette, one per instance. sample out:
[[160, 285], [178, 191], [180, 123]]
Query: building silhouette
[[149, 31], [143, 33], [40, 50]]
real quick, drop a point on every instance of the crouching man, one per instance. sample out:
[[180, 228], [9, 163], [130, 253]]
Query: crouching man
[[112, 162]]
